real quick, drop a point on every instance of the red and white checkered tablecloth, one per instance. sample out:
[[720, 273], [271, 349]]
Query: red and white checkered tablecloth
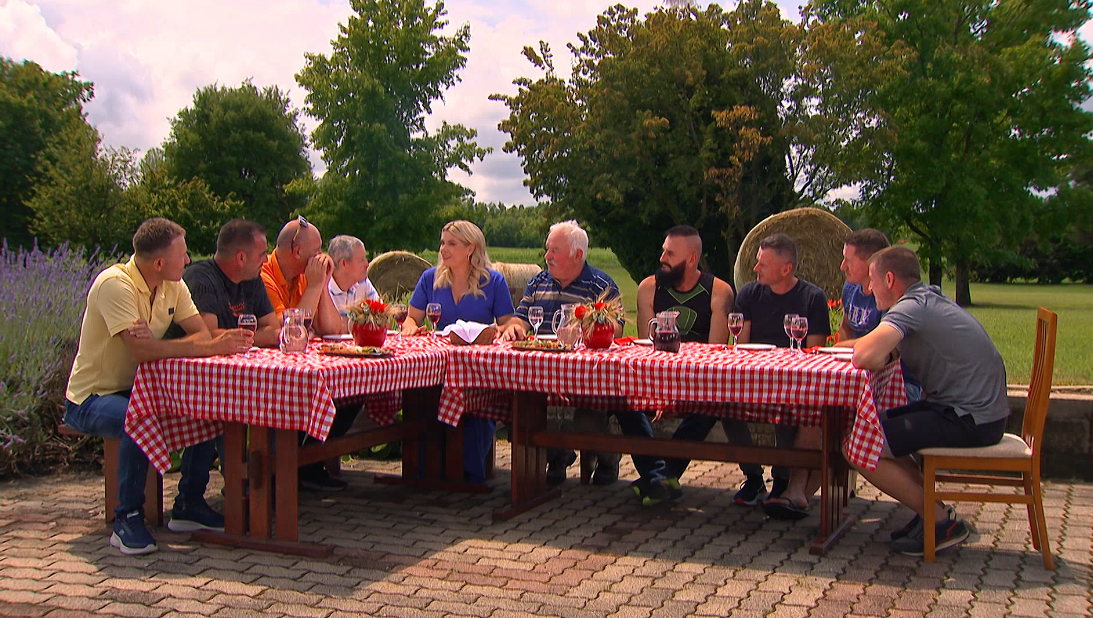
[[480, 379], [776, 386], [184, 401]]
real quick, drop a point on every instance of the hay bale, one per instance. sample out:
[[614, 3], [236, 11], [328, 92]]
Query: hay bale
[[395, 273], [819, 236], [517, 276]]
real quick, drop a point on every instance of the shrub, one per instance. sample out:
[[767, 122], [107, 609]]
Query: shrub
[[42, 298]]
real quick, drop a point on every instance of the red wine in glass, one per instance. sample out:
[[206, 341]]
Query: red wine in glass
[[307, 322]]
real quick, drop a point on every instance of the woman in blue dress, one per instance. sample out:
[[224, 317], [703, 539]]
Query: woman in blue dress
[[467, 289]]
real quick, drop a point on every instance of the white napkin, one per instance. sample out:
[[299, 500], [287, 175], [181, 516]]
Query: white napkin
[[467, 331]]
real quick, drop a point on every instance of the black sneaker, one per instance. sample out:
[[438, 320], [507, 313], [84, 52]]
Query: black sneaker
[[556, 468], [190, 517], [652, 493], [751, 492], [131, 536], [318, 479], [949, 533], [778, 487], [915, 522]]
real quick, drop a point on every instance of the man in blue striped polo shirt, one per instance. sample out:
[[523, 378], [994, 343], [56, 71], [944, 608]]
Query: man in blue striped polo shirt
[[567, 279]]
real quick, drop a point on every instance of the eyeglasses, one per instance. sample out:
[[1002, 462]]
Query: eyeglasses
[[303, 224]]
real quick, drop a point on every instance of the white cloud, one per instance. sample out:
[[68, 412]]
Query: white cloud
[[148, 57]]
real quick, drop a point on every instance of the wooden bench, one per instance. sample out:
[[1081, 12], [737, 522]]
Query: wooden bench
[[153, 485]]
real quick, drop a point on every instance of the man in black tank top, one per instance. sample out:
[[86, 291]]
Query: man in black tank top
[[703, 302]]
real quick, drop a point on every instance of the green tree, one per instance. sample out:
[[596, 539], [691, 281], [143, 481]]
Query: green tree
[[246, 145], [386, 173], [974, 121], [97, 197], [674, 118], [36, 106]]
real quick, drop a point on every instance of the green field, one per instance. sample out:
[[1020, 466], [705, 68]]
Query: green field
[[1008, 311]]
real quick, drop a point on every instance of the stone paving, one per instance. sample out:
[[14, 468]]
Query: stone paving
[[592, 553]]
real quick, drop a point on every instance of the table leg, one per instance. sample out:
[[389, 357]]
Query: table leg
[[287, 471], [528, 462], [234, 494], [834, 473], [260, 476]]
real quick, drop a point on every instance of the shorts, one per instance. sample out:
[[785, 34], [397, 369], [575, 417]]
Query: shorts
[[926, 424]]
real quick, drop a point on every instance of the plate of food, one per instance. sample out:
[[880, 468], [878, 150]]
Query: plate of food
[[541, 345], [643, 342], [834, 350], [356, 351], [755, 347], [545, 337]]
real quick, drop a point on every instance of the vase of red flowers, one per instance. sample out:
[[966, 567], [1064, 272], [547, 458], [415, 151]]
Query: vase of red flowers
[[368, 321], [598, 320]]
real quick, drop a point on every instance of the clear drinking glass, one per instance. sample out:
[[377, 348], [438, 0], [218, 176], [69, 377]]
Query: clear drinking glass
[[248, 321], [799, 331], [787, 323], [432, 311], [308, 318], [535, 316], [736, 325]]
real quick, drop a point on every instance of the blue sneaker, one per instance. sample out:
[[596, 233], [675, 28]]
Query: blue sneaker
[[131, 537], [189, 517]]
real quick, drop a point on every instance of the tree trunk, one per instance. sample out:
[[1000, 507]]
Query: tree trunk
[[935, 273], [963, 288]]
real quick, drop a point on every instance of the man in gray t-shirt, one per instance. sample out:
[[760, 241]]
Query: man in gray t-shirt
[[963, 385]]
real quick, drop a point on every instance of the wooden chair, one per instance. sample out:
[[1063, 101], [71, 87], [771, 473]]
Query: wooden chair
[[1014, 453], [153, 484]]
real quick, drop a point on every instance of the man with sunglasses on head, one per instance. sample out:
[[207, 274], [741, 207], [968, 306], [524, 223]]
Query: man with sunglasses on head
[[297, 275]]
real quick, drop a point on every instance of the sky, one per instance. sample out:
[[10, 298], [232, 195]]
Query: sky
[[147, 58]]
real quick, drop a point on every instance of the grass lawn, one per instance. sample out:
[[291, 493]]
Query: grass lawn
[[1007, 311]]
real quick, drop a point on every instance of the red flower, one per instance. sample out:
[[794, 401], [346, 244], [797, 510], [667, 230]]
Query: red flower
[[376, 306], [599, 306], [580, 312]]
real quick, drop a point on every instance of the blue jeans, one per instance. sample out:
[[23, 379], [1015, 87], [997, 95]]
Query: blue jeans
[[697, 426], [104, 415], [477, 441], [637, 424]]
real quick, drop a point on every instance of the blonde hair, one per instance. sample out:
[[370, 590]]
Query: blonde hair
[[468, 234]]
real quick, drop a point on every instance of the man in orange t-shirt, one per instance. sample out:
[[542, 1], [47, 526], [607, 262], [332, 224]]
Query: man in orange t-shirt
[[296, 276], [297, 260]]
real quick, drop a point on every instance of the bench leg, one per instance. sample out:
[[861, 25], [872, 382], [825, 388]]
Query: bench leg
[[153, 486]]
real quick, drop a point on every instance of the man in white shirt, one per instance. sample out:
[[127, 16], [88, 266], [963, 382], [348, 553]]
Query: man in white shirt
[[349, 283]]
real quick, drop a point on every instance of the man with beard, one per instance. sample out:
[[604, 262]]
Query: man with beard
[[702, 300], [704, 303]]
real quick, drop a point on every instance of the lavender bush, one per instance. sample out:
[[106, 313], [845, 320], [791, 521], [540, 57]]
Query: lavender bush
[[42, 298]]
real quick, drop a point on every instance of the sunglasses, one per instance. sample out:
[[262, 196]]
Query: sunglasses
[[303, 225]]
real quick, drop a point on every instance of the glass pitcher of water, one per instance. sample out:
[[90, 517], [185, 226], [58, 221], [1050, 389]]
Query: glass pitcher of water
[[565, 325], [293, 332], [664, 332]]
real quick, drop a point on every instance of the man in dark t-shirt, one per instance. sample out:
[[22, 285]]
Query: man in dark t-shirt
[[765, 302]]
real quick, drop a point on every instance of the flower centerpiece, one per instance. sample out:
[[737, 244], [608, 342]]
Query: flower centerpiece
[[599, 318], [835, 314], [368, 322]]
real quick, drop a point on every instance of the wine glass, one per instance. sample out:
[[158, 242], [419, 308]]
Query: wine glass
[[736, 325], [308, 317], [432, 311], [248, 321], [787, 323], [398, 311], [799, 331], [535, 316]]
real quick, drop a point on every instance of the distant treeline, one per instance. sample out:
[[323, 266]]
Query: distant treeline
[[508, 226]]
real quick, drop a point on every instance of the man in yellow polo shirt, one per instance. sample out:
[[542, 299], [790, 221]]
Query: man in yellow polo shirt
[[129, 308]]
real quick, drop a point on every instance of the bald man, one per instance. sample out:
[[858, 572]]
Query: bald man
[[298, 273]]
